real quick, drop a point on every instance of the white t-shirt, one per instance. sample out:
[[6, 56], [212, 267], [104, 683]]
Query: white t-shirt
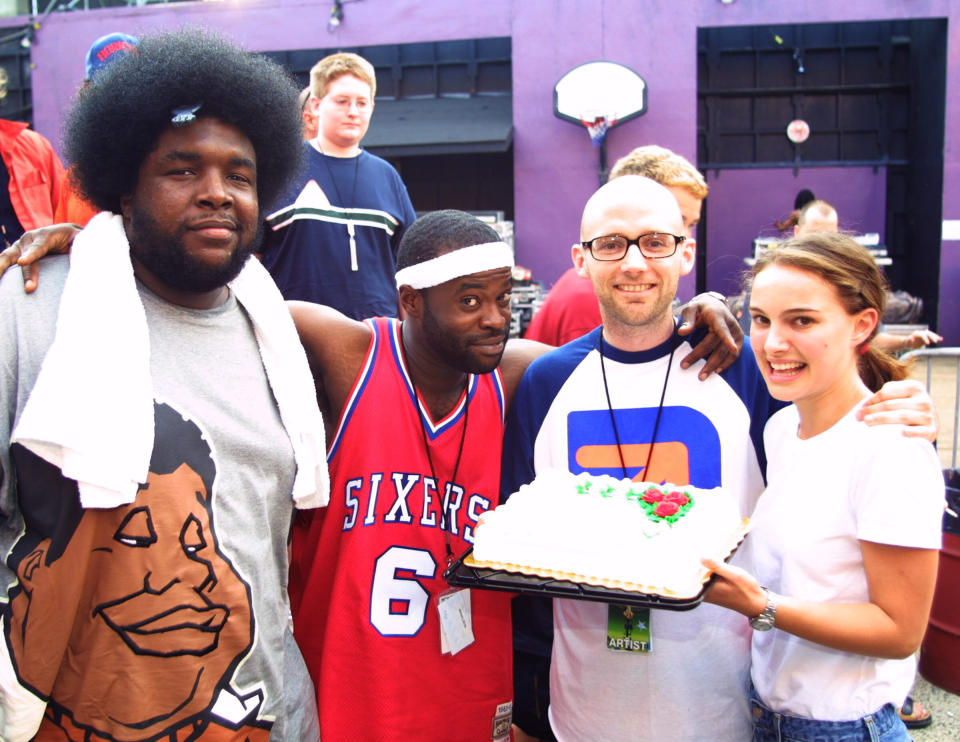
[[824, 495], [692, 686]]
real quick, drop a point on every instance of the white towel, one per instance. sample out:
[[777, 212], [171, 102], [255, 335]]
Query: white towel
[[90, 412], [289, 375]]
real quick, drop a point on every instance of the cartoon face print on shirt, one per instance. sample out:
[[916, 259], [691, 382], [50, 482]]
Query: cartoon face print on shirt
[[130, 621]]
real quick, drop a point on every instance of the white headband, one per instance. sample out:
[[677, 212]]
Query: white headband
[[462, 262]]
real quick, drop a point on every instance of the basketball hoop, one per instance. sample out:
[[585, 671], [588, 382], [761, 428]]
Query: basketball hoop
[[598, 96], [597, 126]]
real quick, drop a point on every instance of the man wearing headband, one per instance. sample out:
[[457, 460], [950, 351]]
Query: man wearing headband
[[419, 408], [160, 422]]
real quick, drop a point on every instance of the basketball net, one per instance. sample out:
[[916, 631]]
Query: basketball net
[[597, 126]]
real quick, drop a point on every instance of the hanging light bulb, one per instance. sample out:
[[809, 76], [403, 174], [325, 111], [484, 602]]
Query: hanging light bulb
[[336, 16]]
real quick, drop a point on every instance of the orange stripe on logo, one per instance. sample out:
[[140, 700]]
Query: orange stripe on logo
[[670, 463]]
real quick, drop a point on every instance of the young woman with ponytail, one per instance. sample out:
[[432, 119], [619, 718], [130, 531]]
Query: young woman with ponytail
[[844, 544]]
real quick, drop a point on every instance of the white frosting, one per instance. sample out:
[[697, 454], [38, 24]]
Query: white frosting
[[606, 534]]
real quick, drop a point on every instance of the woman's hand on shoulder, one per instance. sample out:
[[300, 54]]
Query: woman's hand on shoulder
[[32, 246]]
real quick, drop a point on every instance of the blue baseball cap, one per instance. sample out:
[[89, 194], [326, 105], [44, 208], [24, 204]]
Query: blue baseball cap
[[107, 48]]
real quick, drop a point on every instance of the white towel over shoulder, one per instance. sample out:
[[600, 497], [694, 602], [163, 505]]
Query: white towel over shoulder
[[91, 410]]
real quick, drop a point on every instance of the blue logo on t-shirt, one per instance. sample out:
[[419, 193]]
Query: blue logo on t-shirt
[[686, 451]]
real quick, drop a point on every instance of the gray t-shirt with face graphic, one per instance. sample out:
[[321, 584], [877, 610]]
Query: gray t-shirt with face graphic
[[184, 591]]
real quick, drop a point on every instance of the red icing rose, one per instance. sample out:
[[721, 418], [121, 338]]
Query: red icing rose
[[680, 498], [652, 495], [665, 508]]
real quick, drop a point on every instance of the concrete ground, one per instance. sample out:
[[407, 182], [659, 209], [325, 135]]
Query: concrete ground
[[945, 708], [944, 705]]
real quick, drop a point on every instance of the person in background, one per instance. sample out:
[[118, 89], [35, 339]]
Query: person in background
[[72, 207], [31, 178], [804, 196], [570, 309], [106, 50], [308, 114], [848, 572], [817, 215], [334, 238]]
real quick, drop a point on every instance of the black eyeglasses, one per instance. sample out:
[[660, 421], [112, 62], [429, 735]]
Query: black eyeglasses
[[651, 245]]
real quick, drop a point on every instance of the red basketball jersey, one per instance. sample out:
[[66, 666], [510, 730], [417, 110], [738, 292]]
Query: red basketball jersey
[[366, 570]]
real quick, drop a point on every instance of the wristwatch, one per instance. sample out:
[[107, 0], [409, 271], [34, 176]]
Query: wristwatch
[[716, 295], [764, 622]]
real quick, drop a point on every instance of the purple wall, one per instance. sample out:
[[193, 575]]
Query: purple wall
[[744, 204], [554, 165]]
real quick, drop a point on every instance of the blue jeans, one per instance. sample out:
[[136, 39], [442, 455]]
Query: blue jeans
[[883, 725]]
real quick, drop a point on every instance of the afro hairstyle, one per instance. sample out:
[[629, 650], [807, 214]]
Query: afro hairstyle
[[440, 232], [115, 123]]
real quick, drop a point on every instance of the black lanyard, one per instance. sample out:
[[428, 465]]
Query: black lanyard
[[336, 188], [426, 444], [656, 424], [351, 230]]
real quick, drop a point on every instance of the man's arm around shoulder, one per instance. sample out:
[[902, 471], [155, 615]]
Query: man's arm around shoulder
[[336, 347]]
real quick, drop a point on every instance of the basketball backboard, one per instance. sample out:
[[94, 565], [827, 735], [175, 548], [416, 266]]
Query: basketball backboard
[[600, 90], [600, 95]]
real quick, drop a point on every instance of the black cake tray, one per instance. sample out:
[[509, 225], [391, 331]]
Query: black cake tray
[[460, 574]]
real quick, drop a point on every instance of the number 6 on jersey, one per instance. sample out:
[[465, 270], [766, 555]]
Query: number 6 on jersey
[[398, 604]]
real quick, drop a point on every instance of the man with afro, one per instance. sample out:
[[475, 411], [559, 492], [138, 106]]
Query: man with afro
[[144, 600]]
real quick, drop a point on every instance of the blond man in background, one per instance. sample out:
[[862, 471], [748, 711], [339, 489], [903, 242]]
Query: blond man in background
[[334, 235], [308, 114]]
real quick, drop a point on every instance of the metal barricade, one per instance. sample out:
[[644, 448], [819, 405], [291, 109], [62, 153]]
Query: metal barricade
[[940, 369]]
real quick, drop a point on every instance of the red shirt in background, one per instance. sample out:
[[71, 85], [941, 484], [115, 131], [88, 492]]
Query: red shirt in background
[[569, 311]]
